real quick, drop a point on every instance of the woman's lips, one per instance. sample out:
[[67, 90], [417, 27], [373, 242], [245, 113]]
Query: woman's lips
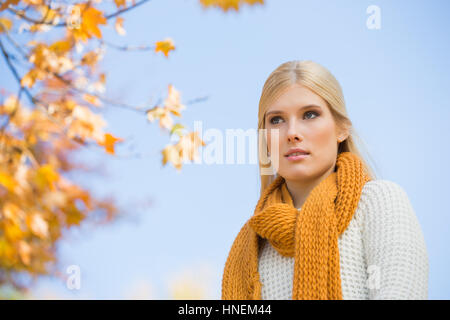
[[296, 158]]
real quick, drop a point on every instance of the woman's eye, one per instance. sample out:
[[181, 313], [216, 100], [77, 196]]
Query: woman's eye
[[273, 120], [276, 117], [312, 112]]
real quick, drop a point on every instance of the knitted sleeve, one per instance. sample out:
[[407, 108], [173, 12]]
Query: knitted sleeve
[[397, 259]]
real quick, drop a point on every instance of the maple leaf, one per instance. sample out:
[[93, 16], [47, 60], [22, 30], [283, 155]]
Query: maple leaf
[[7, 181], [46, 176], [6, 4], [5, 25], [171, 154], [109, 141], [120, 3], [90, 19], [118, 26], [226, 5], [172, 102], [24, 252], [38, 225], [165, 46]]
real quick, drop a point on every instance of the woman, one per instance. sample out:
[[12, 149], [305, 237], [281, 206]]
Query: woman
[[324, 226]]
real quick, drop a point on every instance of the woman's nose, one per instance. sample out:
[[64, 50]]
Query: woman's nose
[[293, 135]]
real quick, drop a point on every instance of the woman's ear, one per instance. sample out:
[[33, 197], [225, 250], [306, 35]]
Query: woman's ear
[[343, 134]]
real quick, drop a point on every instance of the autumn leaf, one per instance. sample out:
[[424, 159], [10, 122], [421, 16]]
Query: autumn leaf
[[177, 129], [185, 149], [46, 176], [109, 142], [172, 154], [118, 26], [90, 19], [92, 99], [6, 4], [7, 181], [5, 24], [24, 252], [38, 225], [165, 46], [120, 3], [226, 5], [172, 102], [85, 124], [61, 46]]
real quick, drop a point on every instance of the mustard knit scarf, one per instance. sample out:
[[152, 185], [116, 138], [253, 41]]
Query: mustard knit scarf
[[310, 235]]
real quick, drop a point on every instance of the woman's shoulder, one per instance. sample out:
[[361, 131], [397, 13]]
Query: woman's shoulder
[[386, 202], [383, 192]]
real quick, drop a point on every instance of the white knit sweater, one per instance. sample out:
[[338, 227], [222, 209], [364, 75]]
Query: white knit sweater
[[382, 252]]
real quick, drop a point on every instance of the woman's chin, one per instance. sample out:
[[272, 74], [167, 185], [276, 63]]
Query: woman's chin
[[299, 174]]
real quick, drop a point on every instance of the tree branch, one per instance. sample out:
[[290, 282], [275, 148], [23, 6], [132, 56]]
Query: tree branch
[[64, 24]]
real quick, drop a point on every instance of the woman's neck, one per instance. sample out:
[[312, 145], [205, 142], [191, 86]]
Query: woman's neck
[[300, 190]]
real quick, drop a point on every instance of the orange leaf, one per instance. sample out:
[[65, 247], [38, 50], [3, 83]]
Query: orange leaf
[[38, 225], [46, 176], [109, 142], [119, 26], [24, 252], [91, 99], [61, 46], [5, 24], [172, 154], [6, 4], [120, 3], [165, 46], [172, 103], [8, 181], [90, 20]]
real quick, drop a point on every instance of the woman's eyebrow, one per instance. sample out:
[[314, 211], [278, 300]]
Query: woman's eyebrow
[[304, 107]]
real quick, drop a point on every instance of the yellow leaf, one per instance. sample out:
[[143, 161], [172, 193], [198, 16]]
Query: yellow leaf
[[7, 252], [188, 145], [109, 142], [172, 154], [74, 216], [165, 121], [226, 5], [155, 113], [165, 46], [24, 252], [12, 231], [46, 176], [8, 181], [172, 103], [90, 58], [6, 4], [86, 124], [10, 105], [28, 79], [90, 20], [103, 78], [12, 212], [119, 26], [38, 225], [5, 24], [61, 46], [92, 99], [177, 129], [120, 3]]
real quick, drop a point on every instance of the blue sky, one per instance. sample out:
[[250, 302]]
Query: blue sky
[[395, 82]]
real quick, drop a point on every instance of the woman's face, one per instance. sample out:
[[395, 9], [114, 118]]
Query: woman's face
[[304, 121]]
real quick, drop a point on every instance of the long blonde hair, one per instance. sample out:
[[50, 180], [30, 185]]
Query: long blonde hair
[[319, 80]]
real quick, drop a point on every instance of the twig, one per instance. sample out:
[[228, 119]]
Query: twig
[[64, 24]]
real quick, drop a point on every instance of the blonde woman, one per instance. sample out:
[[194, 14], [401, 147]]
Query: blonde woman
[[324, 227]]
